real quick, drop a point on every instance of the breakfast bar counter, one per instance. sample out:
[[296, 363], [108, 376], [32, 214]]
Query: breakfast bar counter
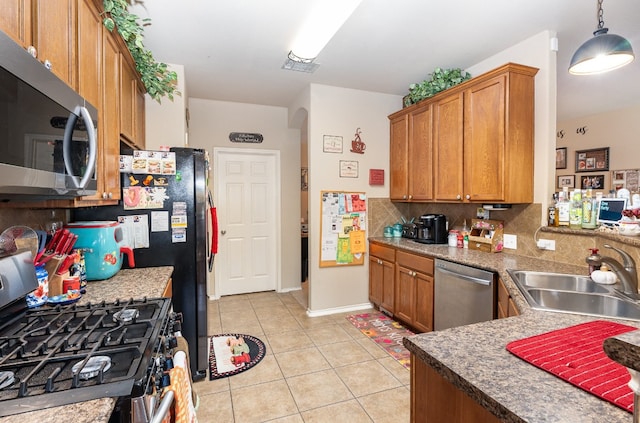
[[127, 283]]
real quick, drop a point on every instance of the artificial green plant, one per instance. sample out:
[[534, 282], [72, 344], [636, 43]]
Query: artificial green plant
[[157, 79], [439, 80]]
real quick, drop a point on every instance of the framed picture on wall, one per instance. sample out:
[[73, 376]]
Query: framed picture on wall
[[568, 181], [561, 158], [594, 160], [593, 182]]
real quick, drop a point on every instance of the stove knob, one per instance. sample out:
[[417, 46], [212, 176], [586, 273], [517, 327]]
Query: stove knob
[[177, 327], [168, 364], [171, 343]]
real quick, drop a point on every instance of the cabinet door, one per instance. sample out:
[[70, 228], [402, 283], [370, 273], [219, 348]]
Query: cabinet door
[[127, 99], [420, 154], [405, 298], [54, 35], [15, 20], [484, 140], [388, 286], [139, 115], [376, 278], [89, 53], [448, 148], [398, 153], [423, 319], [110, 117]]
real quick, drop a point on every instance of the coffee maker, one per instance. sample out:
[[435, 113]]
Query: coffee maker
[[432, 229]]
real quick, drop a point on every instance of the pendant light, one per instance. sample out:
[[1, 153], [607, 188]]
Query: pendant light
[[602, 53]]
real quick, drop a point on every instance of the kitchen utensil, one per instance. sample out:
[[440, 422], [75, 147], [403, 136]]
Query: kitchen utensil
[[65, 264], [42, 241], [16, 238], [103, 242]]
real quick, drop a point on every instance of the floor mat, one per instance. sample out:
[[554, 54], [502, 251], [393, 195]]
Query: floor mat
[[386, 332], [232, 353], [575, 355]]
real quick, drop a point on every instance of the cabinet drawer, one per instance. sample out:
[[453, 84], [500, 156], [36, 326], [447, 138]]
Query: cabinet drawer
[[382, 252], [420, 263]]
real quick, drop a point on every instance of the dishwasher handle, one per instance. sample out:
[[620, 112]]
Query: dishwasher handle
[[465, 277]]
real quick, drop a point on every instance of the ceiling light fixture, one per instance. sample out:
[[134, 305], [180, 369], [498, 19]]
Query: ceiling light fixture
[[602, 53], [322, 23]]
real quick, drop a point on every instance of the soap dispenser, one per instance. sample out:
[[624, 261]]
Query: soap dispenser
[[593, 257]]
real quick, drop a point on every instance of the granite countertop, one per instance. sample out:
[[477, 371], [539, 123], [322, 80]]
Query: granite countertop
[[474, 357], [127, 283]]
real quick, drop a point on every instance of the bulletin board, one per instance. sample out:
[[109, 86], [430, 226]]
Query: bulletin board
[[342, 228]]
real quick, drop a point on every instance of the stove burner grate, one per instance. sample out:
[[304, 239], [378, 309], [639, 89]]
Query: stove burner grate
[[6, 379]]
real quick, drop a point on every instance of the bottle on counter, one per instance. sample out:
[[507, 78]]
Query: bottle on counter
[[589, 210], [575, 210], [563, 207]]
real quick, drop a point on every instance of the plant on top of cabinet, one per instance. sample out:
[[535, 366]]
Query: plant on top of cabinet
[[157, 79], [439, 80]]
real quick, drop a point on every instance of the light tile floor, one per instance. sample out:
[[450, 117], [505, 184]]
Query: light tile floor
[[316, 369]]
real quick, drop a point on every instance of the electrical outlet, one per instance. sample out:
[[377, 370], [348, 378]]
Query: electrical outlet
[[547, 244], [510, 241]]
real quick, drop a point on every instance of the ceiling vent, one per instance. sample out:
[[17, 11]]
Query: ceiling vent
[[299, 64]]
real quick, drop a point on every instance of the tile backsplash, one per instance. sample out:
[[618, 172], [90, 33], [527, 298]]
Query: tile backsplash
[[34, 218], [522, 220]]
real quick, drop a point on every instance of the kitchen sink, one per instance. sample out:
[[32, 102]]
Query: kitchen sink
[[558, 281], [573, 294]]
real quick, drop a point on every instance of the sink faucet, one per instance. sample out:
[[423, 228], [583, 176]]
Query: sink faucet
[[626, 272]]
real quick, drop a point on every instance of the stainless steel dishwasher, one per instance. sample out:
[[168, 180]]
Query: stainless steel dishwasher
[[462, 295]]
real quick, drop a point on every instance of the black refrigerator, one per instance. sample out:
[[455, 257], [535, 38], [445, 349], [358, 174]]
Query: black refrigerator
[[187, 188]]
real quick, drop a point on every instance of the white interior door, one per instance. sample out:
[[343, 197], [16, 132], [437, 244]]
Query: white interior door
[[247, 198]]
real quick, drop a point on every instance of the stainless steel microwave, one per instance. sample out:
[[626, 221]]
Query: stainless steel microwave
[[48, 145]]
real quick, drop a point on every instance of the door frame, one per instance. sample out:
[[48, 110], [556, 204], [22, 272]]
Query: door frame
[[217, 152]]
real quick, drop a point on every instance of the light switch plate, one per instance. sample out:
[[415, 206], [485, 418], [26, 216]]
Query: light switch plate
[[510, 241]]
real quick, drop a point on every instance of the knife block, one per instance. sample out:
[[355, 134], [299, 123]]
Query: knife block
[[55, 283]]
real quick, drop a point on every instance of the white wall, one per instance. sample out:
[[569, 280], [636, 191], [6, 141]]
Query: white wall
[[210, 125], [617, 130], [535, 51], [166, 123], [340, 111]]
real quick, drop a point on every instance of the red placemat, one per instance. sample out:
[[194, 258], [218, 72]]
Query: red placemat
[[575, 355]]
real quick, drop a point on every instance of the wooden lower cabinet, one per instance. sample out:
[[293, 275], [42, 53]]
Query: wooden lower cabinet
[[382, 276], [506, 305], [414, 290], [436, 400]]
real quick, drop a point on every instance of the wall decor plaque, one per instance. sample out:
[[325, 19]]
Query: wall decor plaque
[[594, 160], [246, 137]]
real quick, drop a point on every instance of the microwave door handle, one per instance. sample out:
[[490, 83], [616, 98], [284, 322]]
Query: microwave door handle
[[93, 147]]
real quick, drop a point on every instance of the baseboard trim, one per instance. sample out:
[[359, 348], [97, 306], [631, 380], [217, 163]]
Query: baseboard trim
[[285, 290], [336, 310]]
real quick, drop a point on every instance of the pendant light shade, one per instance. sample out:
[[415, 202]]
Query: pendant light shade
[[602, 53]]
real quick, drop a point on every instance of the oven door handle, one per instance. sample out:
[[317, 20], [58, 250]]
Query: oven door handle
[[164, 408]]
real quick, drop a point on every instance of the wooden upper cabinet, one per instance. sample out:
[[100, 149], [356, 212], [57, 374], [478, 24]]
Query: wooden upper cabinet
[[411, 155], [90, 52], [15, 20], [110, 118], [54, 36], [483, 140], [127, 99], [399, 157], [421, 154], [448, 146], [139, 115]]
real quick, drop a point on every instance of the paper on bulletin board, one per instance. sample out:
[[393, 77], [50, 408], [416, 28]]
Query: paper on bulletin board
[[343, 228]]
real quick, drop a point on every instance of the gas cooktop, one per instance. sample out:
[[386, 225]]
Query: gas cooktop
[[60, 355]]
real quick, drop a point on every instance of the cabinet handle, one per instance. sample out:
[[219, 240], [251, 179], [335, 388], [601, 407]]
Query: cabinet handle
[[404, 197], [379, 261], [110, 195], [410, 197], [458, 197], [468, 197]]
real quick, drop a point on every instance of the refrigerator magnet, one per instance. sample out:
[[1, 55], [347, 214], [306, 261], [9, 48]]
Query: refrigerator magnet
[[178, 235]]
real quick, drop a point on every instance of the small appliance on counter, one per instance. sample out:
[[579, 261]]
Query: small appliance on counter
[[432, 229], [410, 230], [102, 242]]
